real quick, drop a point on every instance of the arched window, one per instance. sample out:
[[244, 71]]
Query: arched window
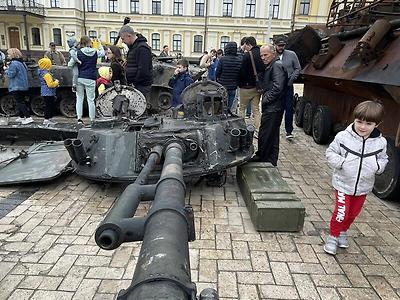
[[155, 41], [177, 42], [36, 36], [198, 43], [57, 36]]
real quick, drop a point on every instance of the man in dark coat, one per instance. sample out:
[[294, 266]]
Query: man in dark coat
[[228, 70], [139, 66], [274, 84]]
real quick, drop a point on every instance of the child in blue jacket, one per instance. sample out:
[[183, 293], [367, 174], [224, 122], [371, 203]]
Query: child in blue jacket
[[180, 81], [47, 89]]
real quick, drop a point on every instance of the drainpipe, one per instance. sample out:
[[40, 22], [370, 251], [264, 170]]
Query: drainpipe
[[28, 50], [205, 26], [269, 21], [294, 15], [84, 16]]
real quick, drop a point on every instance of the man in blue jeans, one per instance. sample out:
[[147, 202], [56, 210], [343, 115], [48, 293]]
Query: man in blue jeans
[[292, 65]]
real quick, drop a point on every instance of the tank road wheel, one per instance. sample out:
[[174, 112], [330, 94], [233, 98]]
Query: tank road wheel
[[68, 105], [322, 125], [37, 106], [164, 100], [309, 110], [8, 105], [387, 184], [299, 111]]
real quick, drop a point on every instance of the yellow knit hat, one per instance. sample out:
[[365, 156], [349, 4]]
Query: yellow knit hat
[[44, 63]]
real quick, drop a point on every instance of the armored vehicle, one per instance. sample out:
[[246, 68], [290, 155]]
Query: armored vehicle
[[355, 57], [65, 96]]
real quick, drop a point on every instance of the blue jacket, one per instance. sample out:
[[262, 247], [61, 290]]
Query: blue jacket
[[179, 83], [17, 74], [212, 68], [44, 89]]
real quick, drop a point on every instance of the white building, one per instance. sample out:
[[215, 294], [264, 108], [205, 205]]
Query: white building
[[187, 26]]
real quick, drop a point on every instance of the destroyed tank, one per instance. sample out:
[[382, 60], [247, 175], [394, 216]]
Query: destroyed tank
[[354, 58], [117, 144], [65, 97]]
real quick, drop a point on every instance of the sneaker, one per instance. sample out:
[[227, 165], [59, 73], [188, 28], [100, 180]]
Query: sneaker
[[343, 241], [48, 122], [19, 119], [289, 136], [27, 121], [331, 244]]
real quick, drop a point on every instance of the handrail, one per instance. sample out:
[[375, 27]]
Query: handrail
[[29, 6]]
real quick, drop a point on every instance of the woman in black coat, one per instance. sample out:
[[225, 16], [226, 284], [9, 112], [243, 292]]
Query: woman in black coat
[[117, 64]]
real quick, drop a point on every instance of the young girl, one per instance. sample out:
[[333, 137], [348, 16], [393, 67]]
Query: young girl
[[117, 64], [356, 155], [47, 89]]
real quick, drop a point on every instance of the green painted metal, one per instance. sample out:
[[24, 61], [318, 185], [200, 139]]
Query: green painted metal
[[272, 205]]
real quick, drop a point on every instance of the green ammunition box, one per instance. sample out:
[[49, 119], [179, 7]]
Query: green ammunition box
[[272, 205]]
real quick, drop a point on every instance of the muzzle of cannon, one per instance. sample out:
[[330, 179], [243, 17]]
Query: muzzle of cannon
[[163, 266]]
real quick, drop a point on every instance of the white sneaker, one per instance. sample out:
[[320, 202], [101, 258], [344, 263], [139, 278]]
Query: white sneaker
[[19, 119], [27, 121], [48, 122]]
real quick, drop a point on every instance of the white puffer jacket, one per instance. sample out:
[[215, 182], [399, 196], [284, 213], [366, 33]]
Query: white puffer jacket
[[356, 160]]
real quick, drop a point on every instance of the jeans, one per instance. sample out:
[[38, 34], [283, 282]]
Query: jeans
[[289, 109], [89, 86], [231, 99]]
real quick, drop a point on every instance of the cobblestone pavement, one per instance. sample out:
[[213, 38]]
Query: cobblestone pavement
[[47, 248]]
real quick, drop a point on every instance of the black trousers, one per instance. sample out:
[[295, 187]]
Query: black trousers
[[268, 137], [19, 97], [49, 102]]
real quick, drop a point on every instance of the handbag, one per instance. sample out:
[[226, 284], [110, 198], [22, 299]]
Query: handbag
[[258, 82]]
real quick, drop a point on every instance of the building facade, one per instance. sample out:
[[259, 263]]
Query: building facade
[[187, 26]]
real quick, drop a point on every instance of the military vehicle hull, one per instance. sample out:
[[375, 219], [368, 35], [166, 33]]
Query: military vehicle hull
[[353, 62]]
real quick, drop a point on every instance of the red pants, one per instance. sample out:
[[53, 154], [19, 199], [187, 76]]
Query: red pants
[[346, 210]]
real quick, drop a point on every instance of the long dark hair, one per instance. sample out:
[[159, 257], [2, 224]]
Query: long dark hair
[[116, 52]]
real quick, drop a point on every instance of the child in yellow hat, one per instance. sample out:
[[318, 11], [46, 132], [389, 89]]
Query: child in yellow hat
[[48, 87]]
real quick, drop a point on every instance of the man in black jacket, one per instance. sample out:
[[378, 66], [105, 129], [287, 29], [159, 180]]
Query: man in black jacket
[[247, 80], [274, 83], [139, 66], [227, 72]]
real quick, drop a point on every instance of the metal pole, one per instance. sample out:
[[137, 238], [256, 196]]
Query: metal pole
[[28, 50], [84, 16], [269, 21]]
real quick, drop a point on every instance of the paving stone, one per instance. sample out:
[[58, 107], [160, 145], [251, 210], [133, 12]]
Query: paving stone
[[361, 293], [208, 270], [87, 289], [306, 268], [108, 286], [227, 286], [382, 288], [74, 277], [284, 256], [281, 274], [278, 292], [328, 293], [259, 261], [40, 295], [255, 278], [6, 267], [105, 273], [21, 294], [234, 265], [305, 286], [8, 284], [248, 292], [32, 269], [355, 275], [330, 280]]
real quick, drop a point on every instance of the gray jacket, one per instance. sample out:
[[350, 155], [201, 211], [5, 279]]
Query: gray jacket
[[356, 160], [292, 65]]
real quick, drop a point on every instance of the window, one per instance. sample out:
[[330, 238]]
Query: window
[[198, 43], [92, 34], [156, 7], [178, 7], [91, 5], [250, 8], [199, 8], [155, 41], [227, 8], [304, 7], [57, 36], [54, 3], [36, 36], [177, 42], [224, 41], [113, 37], [274, 9], [134, 6], [113, 5]]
